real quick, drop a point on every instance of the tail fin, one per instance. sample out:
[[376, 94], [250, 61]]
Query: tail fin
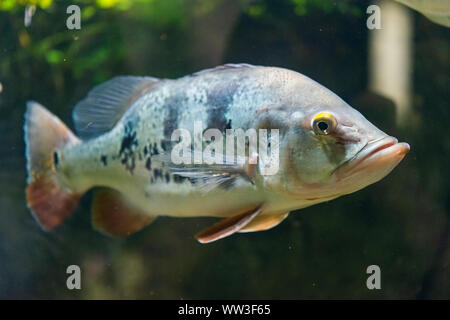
[[50, 202]]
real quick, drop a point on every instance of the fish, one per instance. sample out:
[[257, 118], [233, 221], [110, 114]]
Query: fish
[[437, 11], [126, 135]]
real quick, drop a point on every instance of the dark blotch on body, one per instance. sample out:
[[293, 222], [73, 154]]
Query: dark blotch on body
[[155, 150], [157, 174], [129, 139], [56, 159], [179, 179], [171, 120], [228, 126], [166, 144], [148, 163], [104, 160], [219, 99], [129, 142]]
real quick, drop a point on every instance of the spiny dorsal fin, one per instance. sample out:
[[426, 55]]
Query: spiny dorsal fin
[[264, 222], [112, 215], [228, 226], [224, 67], [106, 103]]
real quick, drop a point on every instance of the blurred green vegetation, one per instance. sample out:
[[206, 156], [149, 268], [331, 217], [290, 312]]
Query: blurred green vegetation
[[63, 49], [401, 223]]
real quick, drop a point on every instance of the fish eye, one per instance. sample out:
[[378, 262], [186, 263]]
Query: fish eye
[[323, 123]]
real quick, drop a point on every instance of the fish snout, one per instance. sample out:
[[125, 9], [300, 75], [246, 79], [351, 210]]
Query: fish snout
[[387, 145], [376, 159]]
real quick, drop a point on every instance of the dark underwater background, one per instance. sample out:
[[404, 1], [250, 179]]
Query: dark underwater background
[[401, 223]]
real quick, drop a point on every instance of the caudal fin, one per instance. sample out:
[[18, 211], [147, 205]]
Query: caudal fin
[[50, 202]]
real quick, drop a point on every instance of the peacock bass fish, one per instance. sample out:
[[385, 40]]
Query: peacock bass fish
[[125, 128]]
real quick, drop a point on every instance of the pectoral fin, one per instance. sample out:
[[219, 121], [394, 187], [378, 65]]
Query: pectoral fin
[[228, 226], [111, 214], [239, 171], [264, 222]]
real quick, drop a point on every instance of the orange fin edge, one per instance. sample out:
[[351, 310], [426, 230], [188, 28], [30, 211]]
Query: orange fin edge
[[264, 222], [50, 203], [111, 214], [228, 226]]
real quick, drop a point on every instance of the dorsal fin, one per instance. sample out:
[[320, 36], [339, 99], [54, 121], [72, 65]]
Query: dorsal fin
[[105, 105], [224, 67]]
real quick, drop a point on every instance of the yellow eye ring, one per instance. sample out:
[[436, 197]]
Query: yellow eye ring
[[324, 123]]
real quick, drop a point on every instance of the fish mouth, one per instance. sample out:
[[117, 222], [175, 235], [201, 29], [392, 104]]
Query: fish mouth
[[384, 145], [381, 155]]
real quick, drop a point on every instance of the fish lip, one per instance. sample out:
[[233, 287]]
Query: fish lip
[[376, 146], [373, 148], [379, 145]]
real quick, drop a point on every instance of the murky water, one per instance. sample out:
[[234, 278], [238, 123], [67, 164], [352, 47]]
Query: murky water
[[401, 224]]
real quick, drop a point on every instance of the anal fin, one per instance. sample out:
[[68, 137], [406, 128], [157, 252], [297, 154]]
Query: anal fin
[[264, 222], [228, 226], [112, 215]]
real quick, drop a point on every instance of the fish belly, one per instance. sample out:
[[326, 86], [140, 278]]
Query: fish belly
[[185, 200]]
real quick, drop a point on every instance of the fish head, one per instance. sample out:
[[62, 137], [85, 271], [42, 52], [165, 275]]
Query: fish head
[[327, 148]]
